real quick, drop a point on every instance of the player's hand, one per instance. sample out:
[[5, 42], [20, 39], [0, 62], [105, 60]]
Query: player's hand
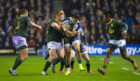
[[40, 28], [85, 47], [124, 33], [64, 28]]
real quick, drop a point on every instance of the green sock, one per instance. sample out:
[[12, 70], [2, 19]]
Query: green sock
[[47, 66], [17, 63], [56, 60], [104, 66], [72, 63], [88, 66]]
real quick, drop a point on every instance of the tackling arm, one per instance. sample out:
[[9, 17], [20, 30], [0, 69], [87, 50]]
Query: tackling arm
[[70, 33], [32, 24], [10, 32]]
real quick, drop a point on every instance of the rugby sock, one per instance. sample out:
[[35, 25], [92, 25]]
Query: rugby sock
[[88, 66], [72, 63], [17, 63], [67, 67], [47, 65], [62, 65], [47, 56], [104, 66], [56, 60], [80, 63]]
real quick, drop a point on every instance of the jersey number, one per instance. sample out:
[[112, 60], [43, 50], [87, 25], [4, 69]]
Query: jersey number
[[111, 31], [18, 23]]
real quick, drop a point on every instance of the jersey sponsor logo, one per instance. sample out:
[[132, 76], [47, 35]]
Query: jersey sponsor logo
[[111, 31], [101, 50]]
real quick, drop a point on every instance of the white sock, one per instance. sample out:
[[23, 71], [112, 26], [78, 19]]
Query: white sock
[[80, 65], [68, 69]]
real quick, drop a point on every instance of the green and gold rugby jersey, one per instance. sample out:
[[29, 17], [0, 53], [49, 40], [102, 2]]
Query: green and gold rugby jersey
[[115, 28], [53, 34], [21, 26]]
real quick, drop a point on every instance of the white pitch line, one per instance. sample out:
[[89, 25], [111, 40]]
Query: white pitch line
[[111, 62], [124, 68], [136, 73], [101, 59]]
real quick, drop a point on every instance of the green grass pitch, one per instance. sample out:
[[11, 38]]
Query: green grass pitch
[[118, 70]]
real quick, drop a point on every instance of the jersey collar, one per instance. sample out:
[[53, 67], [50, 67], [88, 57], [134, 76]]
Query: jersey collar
[[59, 23], [20, 16], [110, 21]]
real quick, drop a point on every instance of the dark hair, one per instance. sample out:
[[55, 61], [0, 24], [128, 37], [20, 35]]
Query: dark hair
[[77, 16], [108, 13], [22, 11]]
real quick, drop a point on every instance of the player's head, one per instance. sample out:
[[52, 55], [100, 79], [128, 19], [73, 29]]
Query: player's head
[[107, 15], [23, 12], [60, 15], [75, 18]]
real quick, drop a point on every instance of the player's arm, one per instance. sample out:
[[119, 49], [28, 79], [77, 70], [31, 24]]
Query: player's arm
[[85, 39], [56, 26], [68, 32], [124, 28], [83, 35], [10, 29], [32, 24]]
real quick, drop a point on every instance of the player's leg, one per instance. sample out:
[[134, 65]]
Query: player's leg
[[52, 54], [121, 44], [68, 60], [60, 58], [61, 55], [86, 57], [72, 60], [76, 45], [21, 45], [47, 54], [110, 49], [67, 53]]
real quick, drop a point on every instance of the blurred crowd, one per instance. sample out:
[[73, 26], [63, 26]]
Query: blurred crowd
[[40, 12], [91, 11]]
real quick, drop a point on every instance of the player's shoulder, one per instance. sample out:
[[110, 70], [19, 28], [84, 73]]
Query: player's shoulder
[[116, 21], [25, 17], [67, 19], [79, 24]]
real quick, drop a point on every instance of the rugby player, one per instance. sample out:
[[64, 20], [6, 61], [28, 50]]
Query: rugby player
[[117, 31], [20, 27], [70, 27], [82, 49], [54, 40]]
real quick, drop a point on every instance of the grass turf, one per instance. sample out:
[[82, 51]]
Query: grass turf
[[30, 70]]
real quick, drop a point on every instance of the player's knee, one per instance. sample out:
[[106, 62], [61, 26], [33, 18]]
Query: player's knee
[[51, 59], [68, 52], [124, 56], [88, 60], [61, 58], [77, 50], [109, 52], [23, 58]]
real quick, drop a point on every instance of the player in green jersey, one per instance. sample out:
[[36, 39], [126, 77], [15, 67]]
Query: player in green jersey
[[117, 31], [20, 27], [54, 40]]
